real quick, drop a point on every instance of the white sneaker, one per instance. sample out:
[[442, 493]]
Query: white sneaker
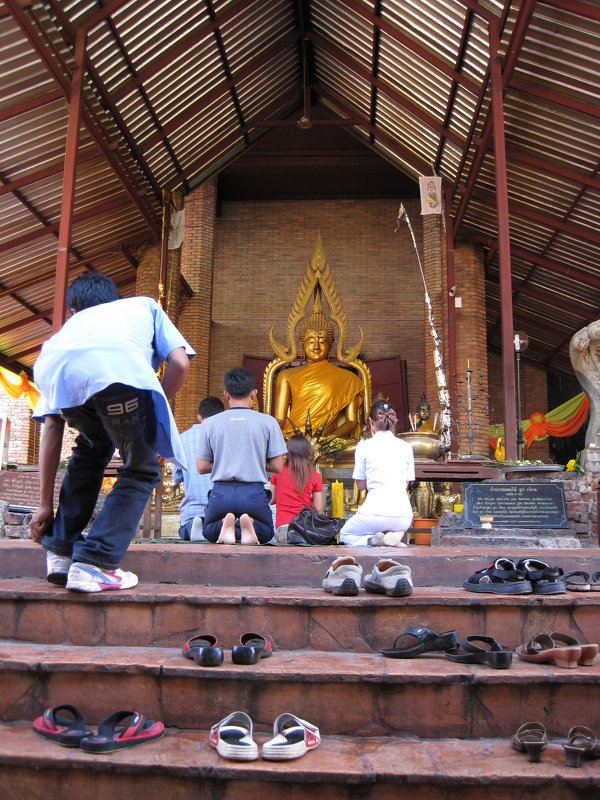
[[57, 568], [343, 577], [88, 578], [389, 577]]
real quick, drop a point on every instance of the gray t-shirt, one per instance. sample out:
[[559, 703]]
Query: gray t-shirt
[[239, 442]]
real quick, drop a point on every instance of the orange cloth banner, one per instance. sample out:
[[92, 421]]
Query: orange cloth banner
[[564, 420], [17, 386]]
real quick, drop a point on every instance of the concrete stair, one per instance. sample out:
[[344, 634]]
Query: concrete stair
[[390, 727]]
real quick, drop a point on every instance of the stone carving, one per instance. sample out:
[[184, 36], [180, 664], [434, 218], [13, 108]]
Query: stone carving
[[584, 351]]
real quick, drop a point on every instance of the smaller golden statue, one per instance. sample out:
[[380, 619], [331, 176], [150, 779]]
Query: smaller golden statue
[[423, 423], [446, 500], [422, 499]]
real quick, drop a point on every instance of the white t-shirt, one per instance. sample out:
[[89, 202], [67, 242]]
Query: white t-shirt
[[386, 463]]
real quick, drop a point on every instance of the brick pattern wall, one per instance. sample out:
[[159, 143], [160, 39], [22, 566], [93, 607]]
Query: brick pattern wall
[[471, 349], [197, 265], [534, 398], [17, 411]]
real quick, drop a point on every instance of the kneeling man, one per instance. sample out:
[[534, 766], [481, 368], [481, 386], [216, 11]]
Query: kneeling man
[[237, 447]]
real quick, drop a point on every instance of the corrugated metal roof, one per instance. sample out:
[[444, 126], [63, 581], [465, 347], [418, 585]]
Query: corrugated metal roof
[[175, 91]]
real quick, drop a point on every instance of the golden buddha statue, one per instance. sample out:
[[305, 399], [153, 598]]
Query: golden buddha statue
[[318, 394], [445, 500], [424, 423], [333, 396]]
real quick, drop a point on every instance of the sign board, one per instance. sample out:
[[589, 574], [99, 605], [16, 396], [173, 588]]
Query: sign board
[[22, 488], [514, 504]]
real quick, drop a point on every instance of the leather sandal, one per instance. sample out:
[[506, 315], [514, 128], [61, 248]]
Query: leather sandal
[[588, 651], [251, 649], [530, 739], [414, 641], [581, 743], [203, 649], [540, 649], [493, 655]]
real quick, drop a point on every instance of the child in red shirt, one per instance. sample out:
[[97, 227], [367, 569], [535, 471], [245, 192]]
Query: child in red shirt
[[298, 485]]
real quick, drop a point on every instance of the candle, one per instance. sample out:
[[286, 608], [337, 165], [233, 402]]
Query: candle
[[337, 499]]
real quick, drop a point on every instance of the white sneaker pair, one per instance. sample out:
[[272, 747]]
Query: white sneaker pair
[[79, 577], [387, 577]]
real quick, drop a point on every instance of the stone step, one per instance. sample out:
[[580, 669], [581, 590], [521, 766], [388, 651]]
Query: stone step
[[183, 765], [358, 694], [225, 565], [167, 615]]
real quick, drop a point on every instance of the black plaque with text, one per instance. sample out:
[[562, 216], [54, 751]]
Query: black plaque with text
[[516, 505]]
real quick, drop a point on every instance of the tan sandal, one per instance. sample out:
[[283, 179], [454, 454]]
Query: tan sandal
[[588, 651], [540, 649], [530, 739], [581, 743]]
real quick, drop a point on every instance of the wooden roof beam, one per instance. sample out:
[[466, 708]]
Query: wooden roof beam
[[411, 44], [398, 98], [514, 49]]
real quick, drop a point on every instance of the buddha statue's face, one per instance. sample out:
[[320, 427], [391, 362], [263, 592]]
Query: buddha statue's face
[[316, 345], [424, 411]]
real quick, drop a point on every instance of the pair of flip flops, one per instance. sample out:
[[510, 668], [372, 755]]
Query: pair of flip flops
[[561, 648], [204, 650], [66, 726], [487, 651], [578, 580], [292, 738], [415, 641]]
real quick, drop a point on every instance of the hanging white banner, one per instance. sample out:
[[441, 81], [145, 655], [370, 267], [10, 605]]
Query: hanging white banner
[[177, 228], [431, 194]]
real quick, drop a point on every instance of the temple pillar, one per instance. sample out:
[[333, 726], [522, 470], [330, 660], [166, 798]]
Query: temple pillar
[[471, 348], [197, 264]]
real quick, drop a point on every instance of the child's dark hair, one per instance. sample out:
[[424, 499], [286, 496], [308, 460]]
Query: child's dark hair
[[299, 462], [210, 406], [91, 289], [383, 416], [239, 382]]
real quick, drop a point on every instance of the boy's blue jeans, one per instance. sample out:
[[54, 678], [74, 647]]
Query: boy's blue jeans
[[119, 417]]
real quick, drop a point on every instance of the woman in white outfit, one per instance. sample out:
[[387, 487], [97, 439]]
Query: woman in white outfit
[[383, 465]]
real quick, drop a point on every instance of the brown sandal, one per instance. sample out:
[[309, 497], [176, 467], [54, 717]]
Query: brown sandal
[[540, 649], [588, 651], [581, 743], [530, 739]]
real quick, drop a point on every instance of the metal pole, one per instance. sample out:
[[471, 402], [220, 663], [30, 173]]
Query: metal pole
[[519, 428], [469, 411]]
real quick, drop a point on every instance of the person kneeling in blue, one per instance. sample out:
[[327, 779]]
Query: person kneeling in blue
[[238, 447], [195, 486], [98, 374]]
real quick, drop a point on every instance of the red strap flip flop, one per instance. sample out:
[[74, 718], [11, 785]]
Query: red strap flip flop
[[64, 725], [112, 736]]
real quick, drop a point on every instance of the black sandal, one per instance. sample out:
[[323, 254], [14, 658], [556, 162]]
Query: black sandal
[[423, 640], [494, 655]]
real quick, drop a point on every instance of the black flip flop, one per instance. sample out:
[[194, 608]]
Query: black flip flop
[[64, 725], [203, 650], [494, 655], [251, 649], [424, 641], [112, 736]]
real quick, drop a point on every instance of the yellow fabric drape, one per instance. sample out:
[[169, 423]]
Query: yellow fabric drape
[[16, 386], [564, 420]]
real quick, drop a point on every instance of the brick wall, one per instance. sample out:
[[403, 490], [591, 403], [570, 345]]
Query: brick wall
[[19, 415]]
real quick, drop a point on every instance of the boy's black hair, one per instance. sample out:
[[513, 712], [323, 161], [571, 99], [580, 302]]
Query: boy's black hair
[[239, 382], [91, 289], [210, 406]]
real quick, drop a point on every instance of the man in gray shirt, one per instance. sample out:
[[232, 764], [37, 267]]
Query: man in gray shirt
[[237, 447]]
